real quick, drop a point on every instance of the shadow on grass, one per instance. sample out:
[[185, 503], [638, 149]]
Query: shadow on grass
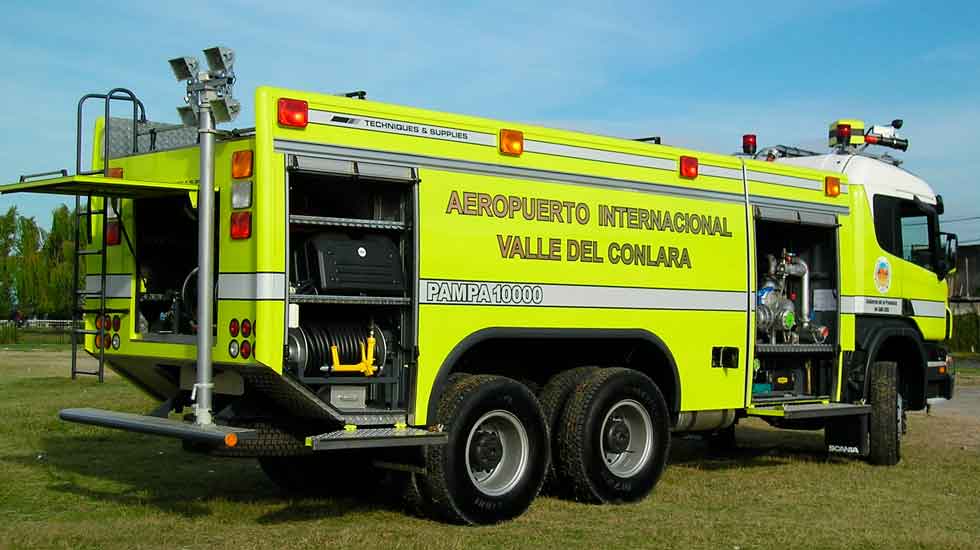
[[130, 470], [756, 448]]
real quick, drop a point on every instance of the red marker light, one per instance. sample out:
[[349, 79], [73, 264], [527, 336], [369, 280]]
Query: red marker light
[[116, 323], [245, 349], [246, 328], [844, 134], [233, 328], [689, 167], [749, 143], [241, 225], [112, 233], [294, 113]]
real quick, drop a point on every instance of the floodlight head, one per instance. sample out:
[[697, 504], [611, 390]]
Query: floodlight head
[[184, 68], [220, 59], [188, 115], [225, 109]]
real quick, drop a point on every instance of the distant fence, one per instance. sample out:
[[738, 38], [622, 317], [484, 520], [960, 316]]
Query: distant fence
[[36, 331], [966, 333]]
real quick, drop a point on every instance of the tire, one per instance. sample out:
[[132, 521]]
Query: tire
[[884, 426], [553, 399], [502, 418], [320, 474], [594, 421]]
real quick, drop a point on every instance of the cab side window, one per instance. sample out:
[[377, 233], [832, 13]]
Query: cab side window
[[903, 230]]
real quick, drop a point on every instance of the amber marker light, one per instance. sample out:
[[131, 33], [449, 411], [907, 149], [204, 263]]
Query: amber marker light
[[241, 164], [831, 186], [511, 142], [231, 440]]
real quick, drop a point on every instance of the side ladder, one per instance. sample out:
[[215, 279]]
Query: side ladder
[[81, 296]]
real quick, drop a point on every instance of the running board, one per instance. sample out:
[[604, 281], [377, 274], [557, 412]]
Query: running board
[[363, 438], [226, 436], [809, 410]]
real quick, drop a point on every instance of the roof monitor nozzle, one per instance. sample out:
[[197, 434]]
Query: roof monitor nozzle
[[897, 123]]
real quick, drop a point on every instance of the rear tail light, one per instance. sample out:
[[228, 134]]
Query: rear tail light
[[246, 328], [112, 233], [294, 113], [245, 349], [116, 323], [98, 341], [233, 328], [98, 323], [241, 225], [689, 167]]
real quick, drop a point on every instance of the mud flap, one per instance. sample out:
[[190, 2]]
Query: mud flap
[[847, 436]]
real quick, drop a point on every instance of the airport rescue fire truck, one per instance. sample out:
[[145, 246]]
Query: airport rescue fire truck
[[494, 307]]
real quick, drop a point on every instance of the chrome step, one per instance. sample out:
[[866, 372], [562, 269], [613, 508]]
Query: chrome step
[[809, 410], [363, 438]]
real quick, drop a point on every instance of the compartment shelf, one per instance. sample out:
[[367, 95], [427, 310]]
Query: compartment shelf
[[352, 300], [347, 223]]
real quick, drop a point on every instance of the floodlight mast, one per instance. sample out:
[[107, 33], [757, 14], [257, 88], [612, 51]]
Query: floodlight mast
[[203, 88]]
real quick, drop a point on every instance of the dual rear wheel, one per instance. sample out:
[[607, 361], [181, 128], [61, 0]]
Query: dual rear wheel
[[606, 431]]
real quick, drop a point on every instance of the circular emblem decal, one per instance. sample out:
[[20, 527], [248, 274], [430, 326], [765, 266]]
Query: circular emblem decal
[[361, 251], [883, 274]]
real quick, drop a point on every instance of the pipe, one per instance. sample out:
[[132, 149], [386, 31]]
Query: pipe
[[798, 268], [704, 421], [205, 263]]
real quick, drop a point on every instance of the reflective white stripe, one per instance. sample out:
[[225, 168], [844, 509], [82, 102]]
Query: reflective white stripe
[[438, 291], [117, 286], [251, 286], [928, 308], [586, 153], [401, 127], [792, 181], [870, 305], [719, 172]]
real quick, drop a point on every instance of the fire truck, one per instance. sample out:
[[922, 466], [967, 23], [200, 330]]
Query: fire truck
[[495, 309]]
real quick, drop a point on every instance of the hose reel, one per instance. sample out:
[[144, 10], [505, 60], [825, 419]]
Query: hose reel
[[336, 348]]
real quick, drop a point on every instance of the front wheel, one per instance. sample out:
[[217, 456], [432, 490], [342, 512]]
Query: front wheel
[[885, 425], [614, 437], [495, 461]]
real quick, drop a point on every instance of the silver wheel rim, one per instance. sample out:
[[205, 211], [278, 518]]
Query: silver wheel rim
[[635, 418], [514, 453]]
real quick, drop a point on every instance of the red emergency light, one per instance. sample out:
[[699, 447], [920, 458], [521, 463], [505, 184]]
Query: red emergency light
[[294, 113], [749, 144]]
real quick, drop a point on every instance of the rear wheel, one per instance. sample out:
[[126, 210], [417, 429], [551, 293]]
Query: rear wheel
[[553, 399], [495, 460], [614, 437], [885, 424]]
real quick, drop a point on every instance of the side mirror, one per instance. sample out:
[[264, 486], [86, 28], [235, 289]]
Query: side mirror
[[950, 245]]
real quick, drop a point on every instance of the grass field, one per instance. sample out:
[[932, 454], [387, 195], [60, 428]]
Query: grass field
[[71, 486]]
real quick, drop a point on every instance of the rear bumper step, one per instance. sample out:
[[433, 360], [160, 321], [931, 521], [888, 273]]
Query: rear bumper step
[[212, 435]]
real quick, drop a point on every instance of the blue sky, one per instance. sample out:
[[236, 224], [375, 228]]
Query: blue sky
[[700, 74]]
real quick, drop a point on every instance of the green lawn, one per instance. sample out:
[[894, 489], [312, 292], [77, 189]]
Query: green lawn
[[71, 486]]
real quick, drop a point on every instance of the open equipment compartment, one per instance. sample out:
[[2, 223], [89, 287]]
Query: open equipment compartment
[[351, 272], [797, 307]]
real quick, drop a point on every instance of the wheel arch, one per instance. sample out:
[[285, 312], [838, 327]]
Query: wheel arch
[[897, 340], [643, 350]]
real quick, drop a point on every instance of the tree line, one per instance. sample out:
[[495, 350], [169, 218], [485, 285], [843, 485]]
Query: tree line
[[36, 266]]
